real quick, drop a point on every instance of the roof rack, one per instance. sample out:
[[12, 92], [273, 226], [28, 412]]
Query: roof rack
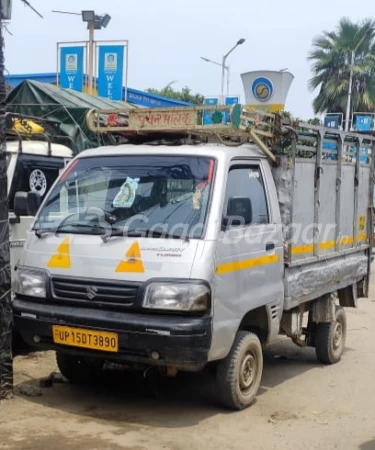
[[232, 125], [25, 127]]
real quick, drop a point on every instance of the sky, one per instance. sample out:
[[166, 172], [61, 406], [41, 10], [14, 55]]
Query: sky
[[168, 37]]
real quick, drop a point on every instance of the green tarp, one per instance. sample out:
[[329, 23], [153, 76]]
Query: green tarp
[[67, 107]]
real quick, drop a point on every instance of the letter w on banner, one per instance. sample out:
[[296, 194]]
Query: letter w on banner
[[111, 70]]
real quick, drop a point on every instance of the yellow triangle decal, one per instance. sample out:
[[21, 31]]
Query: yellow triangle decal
[[133, 263], [61, 259]]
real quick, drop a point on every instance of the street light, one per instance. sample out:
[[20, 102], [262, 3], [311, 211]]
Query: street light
[[224, 66], [350, 90], [88, 16], [94, 22], [239, 42]]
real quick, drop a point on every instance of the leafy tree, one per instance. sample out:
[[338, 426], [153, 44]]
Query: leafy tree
[[331, 55], [314, 121], [184, 95]]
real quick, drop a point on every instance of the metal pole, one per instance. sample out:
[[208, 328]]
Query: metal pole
[[57, 64], [228, 81], [6, 357], [91, 56], [350, 90], [126, 71], [223, 78]]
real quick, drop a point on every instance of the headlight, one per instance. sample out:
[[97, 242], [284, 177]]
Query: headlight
[[177, 296], [31, 283]]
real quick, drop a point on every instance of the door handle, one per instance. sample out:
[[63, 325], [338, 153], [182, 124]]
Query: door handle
[[270, 246]]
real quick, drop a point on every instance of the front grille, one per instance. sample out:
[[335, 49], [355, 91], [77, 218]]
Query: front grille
[[94, 293]]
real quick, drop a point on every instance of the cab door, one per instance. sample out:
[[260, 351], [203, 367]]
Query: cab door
[[249, 258]]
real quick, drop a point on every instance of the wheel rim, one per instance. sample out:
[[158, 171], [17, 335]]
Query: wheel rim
[[337, 335], [249, 368]]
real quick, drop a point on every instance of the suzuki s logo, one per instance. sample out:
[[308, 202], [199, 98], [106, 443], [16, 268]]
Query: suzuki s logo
[[262, 89], [91, 292]]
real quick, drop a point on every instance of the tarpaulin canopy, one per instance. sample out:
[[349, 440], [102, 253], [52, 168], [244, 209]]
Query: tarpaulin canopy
[[67, 107]]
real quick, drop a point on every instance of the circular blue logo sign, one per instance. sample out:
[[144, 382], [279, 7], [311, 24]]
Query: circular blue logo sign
[[262, 89]]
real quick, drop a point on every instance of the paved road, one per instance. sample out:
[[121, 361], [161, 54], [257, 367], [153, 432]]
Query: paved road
[[302, 405]]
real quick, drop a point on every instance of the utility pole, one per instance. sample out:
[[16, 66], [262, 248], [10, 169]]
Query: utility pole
[[224, 67], [350, 89], [6, 357]]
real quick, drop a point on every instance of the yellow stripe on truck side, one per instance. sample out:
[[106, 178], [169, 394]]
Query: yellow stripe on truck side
[[246, 264], [250, 263], [309, 248]]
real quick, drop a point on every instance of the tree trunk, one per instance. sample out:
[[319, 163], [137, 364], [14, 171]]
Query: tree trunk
[[6, 357]]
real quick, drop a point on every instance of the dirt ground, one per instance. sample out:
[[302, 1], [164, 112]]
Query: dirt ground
[[301, 405]]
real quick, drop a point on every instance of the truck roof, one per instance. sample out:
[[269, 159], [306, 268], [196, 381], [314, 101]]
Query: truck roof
[[211, 150], [39, 148]]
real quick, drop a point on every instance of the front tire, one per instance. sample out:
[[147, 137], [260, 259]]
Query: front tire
[[79, 370], [330, 338], [239, 374]]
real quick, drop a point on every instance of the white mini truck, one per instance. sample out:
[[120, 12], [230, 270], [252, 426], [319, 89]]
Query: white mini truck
[[197, 251]]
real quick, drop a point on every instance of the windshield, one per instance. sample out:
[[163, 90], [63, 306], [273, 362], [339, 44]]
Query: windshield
[[124, 195]]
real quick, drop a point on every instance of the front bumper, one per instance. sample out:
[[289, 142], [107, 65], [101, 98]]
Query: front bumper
[[182, 341]]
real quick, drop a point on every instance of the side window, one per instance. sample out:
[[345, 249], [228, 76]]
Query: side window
[[247, 181], [34, 173]]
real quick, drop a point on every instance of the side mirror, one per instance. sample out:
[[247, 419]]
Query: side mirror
[[239, 212], [26, 203], [20, 204], [34, 200]]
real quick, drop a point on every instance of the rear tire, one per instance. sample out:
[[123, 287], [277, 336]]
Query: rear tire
[[239, 375], [330, 338], [79, 370]]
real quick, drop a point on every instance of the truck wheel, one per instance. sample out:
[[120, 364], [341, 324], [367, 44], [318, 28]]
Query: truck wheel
[[79, 370], [330, 338], [239, 374]]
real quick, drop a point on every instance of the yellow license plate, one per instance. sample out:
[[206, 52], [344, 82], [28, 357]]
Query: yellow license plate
[[78, 337]]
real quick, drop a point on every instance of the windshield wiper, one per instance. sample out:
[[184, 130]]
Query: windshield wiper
[[116, 232], [43, 232]]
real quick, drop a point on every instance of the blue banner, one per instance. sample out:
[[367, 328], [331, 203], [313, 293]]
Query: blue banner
[[363, 123], [71, 68], [207, 115], [331, 121], [111, 70], [230, 101]]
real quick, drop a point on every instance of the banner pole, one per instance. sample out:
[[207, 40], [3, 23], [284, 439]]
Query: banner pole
[[91, 56], [126, 71]]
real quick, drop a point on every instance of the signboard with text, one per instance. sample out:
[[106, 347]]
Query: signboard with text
[[71, 68], [111, 70]]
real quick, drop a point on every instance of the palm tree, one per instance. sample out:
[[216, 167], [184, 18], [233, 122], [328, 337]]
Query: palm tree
[[333, 54]]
